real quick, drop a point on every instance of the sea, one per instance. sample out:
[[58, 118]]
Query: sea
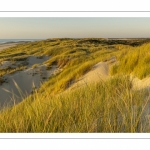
[[2, 41]]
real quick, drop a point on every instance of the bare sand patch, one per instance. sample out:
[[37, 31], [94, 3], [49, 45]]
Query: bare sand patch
[[22, 83], [138, 84], [100, 71]]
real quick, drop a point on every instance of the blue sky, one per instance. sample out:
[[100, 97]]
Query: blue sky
[[43, 28]]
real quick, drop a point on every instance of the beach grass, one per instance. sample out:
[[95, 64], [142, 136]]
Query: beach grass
[[110, 106], [106, 106], [135, 60]]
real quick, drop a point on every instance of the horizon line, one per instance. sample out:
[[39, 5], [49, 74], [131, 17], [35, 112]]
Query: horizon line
[[77, 38]]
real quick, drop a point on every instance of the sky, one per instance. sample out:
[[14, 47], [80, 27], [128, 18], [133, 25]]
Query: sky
[[54, 27]]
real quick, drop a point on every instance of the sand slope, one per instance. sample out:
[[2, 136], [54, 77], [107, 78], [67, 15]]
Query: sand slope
[[100, 71], [25, 80]]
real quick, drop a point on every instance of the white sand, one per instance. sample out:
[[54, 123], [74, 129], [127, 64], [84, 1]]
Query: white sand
[[140, 84], [25, 80], [99, 72]]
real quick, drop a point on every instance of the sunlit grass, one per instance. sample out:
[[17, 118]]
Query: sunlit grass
[[110, 106], [135, 61]]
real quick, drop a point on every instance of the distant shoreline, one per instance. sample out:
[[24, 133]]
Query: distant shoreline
[[4, 46], [14, 42], [6, 41]]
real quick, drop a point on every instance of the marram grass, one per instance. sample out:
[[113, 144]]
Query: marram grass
[[135, 61], [110, 106]]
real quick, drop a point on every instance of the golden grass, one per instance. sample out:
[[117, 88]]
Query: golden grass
[[134, 60], [110, 106]]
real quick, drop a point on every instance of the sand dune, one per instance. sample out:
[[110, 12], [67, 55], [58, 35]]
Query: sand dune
[[99, 72], [33, 77], [25, 80]]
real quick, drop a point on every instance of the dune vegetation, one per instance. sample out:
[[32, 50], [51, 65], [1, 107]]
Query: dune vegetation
[[106, 106]]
